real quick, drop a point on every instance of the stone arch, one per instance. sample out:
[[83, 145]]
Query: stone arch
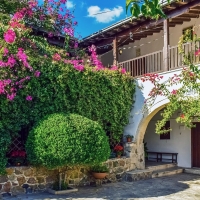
[[144, 123]]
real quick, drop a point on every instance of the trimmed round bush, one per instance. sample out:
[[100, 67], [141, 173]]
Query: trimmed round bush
[[65, 140]]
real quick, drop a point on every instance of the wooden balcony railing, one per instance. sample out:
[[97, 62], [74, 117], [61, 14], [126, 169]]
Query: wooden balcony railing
[[153, 63], [177, 60]]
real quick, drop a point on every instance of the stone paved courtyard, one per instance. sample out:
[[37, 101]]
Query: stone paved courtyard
[[177, 187]]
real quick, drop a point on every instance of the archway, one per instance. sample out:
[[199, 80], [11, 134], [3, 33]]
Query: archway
[[144, 123], [174, 146]]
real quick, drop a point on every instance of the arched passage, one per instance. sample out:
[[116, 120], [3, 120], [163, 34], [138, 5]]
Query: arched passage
[[178, 140], [144, 123]]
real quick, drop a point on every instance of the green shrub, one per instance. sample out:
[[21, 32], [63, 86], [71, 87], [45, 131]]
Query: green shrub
[[67, 139], [100, 168]]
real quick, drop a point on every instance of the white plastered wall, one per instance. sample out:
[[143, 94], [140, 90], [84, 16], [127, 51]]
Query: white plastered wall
[[179, 142]]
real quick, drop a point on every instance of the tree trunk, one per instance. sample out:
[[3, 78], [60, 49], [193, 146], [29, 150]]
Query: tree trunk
[[60, 179]]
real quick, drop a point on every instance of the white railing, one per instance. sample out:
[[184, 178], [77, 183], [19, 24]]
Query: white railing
[[177, 60], [153, 63], [144, 64]]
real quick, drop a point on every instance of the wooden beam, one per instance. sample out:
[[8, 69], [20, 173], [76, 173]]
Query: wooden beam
[[183, 18], [194, 12], [115, 52], [170, 7], [166, 45], [180, 2], [190, 15]]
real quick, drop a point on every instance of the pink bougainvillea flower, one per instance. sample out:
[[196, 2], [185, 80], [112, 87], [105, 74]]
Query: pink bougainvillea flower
[[9, 36], [174, 92], [123, 71], [29, 98], [63, 1], [79, 67], [114, 68], [197, 53], [5, 51], [69, 31], [18, 16], [56, 57], [11, 96], [76, 45], [11, 61], [37, 73], [50, 34]]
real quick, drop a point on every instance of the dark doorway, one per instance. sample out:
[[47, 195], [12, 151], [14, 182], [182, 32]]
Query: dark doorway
[[195, 132]]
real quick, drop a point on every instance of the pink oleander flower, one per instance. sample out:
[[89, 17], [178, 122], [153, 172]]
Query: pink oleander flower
[[37, 73], [56, 57], [9, 36], [29, 98]]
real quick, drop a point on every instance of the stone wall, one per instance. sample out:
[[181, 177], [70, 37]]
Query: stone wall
[[30, 179]]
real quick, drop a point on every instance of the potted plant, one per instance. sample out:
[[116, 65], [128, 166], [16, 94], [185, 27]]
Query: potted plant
[[99, 171], [18, 157], [119, 150], [129, 138]]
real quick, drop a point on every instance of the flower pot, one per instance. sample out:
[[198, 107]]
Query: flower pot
[[99, 175], [118, 156], [129, 139]]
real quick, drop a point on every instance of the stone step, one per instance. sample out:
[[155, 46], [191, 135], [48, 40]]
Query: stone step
[[192, 171], [162, 166], [167, 172], [137, 175]]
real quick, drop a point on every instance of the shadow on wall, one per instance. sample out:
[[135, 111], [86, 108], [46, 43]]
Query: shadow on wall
[[136, 114]]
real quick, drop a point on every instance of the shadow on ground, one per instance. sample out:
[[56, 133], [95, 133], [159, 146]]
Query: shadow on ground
[[174, 187]]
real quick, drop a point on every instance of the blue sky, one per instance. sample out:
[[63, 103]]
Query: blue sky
[[88, 22]]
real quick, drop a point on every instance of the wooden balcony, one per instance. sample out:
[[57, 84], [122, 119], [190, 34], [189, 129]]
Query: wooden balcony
[[154, 63]]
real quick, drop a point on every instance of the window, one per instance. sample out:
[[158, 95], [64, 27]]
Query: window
[[166, 136], [188, 34]]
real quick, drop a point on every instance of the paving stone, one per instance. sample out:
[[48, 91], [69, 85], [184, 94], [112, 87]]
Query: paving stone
[[176, 187]]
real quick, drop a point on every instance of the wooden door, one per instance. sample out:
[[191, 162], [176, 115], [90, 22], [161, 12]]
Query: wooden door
[[195, 132]]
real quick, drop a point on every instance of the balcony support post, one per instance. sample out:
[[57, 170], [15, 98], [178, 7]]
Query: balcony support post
[[115, 52], [166, 45]]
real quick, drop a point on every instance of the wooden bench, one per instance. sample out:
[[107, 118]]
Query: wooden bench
[[159, 156]]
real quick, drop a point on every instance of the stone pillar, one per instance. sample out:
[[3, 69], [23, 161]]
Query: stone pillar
[[136, 153]]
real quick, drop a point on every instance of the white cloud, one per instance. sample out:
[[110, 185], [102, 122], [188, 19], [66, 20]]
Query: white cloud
[[107, 15], [69, 4]]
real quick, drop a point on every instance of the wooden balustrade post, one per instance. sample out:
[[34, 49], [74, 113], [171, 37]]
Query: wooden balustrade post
[[166, 45], [115, 52]]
